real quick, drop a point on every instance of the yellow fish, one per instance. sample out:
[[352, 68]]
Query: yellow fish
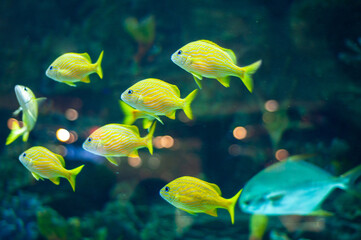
[[158, 98], [74, 67], [29, 105], [132, 114], [118, 140], [193, 195], [43, 163], [204, 58]]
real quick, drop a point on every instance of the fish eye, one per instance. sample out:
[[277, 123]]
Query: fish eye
[[89, 139], [51, 68], [179, 52], [166, 189], [24, 154], [25, 89], [130, 91]]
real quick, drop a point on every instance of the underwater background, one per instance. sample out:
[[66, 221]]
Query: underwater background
[[306, 100]]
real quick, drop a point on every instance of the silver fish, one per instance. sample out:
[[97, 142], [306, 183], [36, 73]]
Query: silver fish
[[292, 187]]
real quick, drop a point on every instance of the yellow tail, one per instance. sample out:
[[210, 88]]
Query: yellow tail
[[99, 70], [72, 175], [187, 104], [149, 138], [232, 204], [17, 132], [247, 72]]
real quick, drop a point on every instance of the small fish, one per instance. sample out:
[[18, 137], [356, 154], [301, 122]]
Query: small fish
[[74, 67], [43, 163], [193, 195], [132, 114], [204, 58], [29, 105], [293, 187], [118, 140], [157, 97]]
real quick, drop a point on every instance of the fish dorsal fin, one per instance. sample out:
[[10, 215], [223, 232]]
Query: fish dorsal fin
[[133, 128], [228, 51], [61, 159], [215, 187], [176, 89], [86, 55]]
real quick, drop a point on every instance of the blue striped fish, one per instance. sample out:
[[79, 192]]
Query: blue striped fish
[[193, 195], [74, 67], [118, 140], [158, 97], [42, 163], [204, 58], [29, 105]]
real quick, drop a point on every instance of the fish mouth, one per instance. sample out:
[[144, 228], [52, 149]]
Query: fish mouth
[[19, 94]]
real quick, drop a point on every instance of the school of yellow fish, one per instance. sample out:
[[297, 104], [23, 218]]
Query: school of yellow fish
[[147, 99]]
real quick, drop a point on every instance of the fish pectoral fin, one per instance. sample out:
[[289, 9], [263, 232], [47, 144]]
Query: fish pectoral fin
[[321, 212], [17, 111], [224, 81], [70, 83], [41, 100], [86, 79], [134, 154], [198, 79], [212, 212], [112, 160], [56, 181], [36, 176], [154, 116], [275, 197], [171, 115]]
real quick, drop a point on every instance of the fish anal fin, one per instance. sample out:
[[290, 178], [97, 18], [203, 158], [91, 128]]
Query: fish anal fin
[[86, 55], [86, 79], [224, 81], [171, 114], [212, 212], [197, 80], [134, 154], [190, 212], [56, 180], [70, 83], [36, 176], [112, 160], [321, 212]]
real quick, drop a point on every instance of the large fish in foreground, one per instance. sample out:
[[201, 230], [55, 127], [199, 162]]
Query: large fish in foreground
[[204, 58], [43, 163], [118, 140], [292, 187], [29, 105], [158, 98], [193, 195], [74, 67]]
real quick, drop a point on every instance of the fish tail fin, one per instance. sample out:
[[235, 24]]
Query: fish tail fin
[[187, 104], [99, 70], [350, 179], [232, 204], [72, 175], [247, 72], [149, 138], [16, 132], [129, 113]]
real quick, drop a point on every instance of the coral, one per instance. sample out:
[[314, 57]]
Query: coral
[[18, 217]]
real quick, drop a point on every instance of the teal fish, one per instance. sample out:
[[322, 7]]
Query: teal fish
[[157, 97], [29, 105], [42, 163], [292, 187], [118, 140], [204, 58], [74, 67]]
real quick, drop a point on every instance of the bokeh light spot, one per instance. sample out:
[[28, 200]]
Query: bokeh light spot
[[71, 114], [240, 133], [135, 161], [271, 105], [62, 135], [167, 141], [281, 154]]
